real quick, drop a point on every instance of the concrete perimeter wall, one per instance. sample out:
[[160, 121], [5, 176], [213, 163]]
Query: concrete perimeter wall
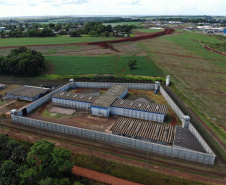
[[185, 154], [180, 114], [173, 105], [200, 139], [108, 85]]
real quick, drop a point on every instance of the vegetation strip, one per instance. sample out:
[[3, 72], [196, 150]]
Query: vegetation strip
[[126, 162]]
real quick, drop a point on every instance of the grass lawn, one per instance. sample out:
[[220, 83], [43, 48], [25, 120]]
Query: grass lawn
[[64, 39], [149, 30], [73, 65], [3, 102], [185, 40], [123, 23], [195, 72]]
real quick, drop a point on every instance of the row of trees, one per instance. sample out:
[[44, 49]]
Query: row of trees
[[95, 29], [29, 33], [42, 164], [22, 62]]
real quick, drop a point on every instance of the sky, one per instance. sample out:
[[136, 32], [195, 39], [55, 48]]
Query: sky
[[12, 8]]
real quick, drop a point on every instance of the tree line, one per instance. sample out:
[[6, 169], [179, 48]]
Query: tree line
[[96, 29], [22, 62], [42, 163]]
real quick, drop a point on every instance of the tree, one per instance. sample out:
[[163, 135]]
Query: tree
[[8, 173], [51, 162], [22, 62], [29, 177], [132, 63], [58, 26], [40, 155], [75, 34], [61, 161], [106, 34]]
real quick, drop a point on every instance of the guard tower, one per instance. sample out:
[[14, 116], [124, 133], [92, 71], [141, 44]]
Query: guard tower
[[167, 80], [157, 87], [73, 85], [185, 121]]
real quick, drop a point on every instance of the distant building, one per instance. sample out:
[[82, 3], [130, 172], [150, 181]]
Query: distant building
[[2, 28], [2, 86]]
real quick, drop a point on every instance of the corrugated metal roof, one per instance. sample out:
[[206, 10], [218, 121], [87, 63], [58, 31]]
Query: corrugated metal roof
[[104, 101], [28, 91], [144, 129], [107, 98], [115, 90], [143, 106], [75, 96]]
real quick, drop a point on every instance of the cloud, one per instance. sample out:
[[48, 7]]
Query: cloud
[[111, 7]]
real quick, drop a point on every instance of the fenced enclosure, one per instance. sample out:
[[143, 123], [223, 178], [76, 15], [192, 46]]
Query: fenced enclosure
[[180, 153]]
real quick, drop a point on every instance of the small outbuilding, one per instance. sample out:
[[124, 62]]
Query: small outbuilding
[[2, 86], [28, 93]]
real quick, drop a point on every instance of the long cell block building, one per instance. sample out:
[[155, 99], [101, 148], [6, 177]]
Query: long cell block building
[[144, 130], [112, 102]]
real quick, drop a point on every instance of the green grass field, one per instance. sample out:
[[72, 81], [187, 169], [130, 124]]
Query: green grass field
[[73, 65], [185, 41], [195, 72], [149, 30], [64, 39], [123, 23]]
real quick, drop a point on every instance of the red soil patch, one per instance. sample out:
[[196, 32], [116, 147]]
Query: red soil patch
[[210, 49], [100, 177]]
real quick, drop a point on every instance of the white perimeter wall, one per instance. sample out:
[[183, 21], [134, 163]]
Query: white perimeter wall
[[108, 85], [181, 153]]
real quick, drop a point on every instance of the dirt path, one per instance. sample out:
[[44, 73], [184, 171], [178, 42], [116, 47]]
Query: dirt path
[[8, 104], [108, 156], [100, 177]]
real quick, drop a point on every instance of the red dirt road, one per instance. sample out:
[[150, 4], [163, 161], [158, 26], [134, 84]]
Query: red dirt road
[[100, 177]]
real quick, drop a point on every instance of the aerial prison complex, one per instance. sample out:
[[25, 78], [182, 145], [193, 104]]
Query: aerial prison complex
[[112, 102], [139, 125]]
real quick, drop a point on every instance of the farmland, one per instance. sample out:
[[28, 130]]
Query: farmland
[[198, 74], [50, 40], [69, 65], [124, 23], [148, 30]]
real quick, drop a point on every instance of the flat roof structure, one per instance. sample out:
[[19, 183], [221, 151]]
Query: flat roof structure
[[184, 138], [107, 98], [144, 129], [28, 91], [142, 106], [75, 96]]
